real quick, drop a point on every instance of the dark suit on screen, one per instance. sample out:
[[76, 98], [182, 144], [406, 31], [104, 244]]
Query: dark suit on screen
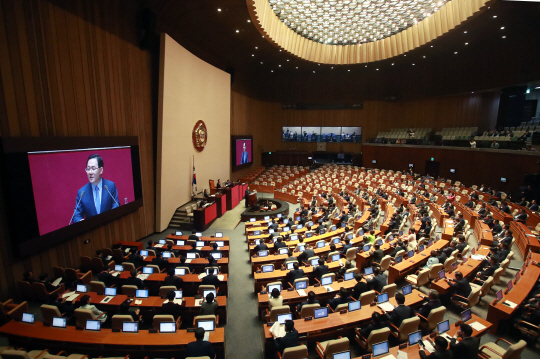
[[245, 158], [87, 207]]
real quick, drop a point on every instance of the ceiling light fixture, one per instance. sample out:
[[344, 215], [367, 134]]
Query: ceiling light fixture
[[344, 22], [237, 30], [218, 9]]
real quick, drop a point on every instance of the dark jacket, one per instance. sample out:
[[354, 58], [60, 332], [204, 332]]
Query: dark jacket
[[465, 349], [400, 313], [211, 280], [134, 281], [461, 287], [107, 278], [294, 274], [171, 308], [288, 341], [358, 289], [377, 282], [174, 280], [320, 271], [200, 348], [426, 308], [378, 255], [447, 354]]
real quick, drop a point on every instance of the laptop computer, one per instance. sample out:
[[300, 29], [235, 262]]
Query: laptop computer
[[130, 327], [415, 337], [421, 248], [326, 280], [167, 327], [315, 262], [198, 234], [268, 268], [399, 259], [299, 226], [366, 248], [180, 271], [335, 257], [270, 230], [321, 244], [266, 218], [179, 233], [336, 240], [443, 327], [59, 322], [293, 237], [94, 325], [348, 276], [263, 253], [382, 298], [220, 243], [301, 284], [162, 241], [110, 291], [148, 270], [252, 219], [333, 228], [28, 318], [286, 229], [407, 289], [206, 292], [199, 244], [283, 250], [342, 355], [274, 286], [178, 294], [368, 270], [281, 318], [309, 234], [180, 242], [354, 306], [441, 274], [167, 254], [81, 288], [144, 253], [410, 254], [381, 348], [118, 268], [290, 265], [500, 295], [217, 255], [302, 248], [256, 233], [141, 293], [466, 315], [320, 313], [510, 285], [279, 215], [207, 325]]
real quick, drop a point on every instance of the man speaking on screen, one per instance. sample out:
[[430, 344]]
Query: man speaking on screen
[[245, 157], [97, 196]]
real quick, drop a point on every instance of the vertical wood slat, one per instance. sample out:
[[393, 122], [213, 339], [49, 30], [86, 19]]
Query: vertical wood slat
[[74, 69]]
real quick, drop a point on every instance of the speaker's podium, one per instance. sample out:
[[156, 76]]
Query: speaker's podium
[[252, 199], [203, 217]]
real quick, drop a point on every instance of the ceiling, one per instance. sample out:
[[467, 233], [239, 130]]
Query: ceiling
[[472, 57]]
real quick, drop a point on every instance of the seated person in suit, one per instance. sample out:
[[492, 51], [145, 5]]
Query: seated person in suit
[[173, 280], [106, 277], [346, 246], [135, 258], [348, 265], [170, 249], [183, 263], [290, 339], [215, 249], [306, 254], [341, 298], [170, 307], [502, 253], [378, 321], [360, 286], [321, 269], [275, 299], [459, 225], [211, 278], [378, 281], [467, 347], [159, 261], [44, 278], [279, 244], [290, 258], [399, 247], [126, 309], [28, 276], [85, 304], [441, 350], [209, 306], [534, 206], [450, 249], [312, 299], [441, 256], [200, 347], [433, 303], [100, 255], [462, 244], [432, 260], [133, 280], [378, 255], [295, 273], [488, 271], [401, 312], [459, 286], [63, 306], [194, 248]]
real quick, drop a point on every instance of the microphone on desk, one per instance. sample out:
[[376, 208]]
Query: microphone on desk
[[107, 188], [80, 199]]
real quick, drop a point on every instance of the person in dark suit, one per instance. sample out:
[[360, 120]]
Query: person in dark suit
[[522, 217], [200, 348], [441, 352], [63, 306], [246, 197], [173, 280], [341, 298], [460, 285], [261, 247], [378, 281], [534, 206], [274, 225], [346, 246], [378, 254], [497, 228], [321, 269], [490, 269], [460, 223], [290, 339], [183, 263], [100, 255], [467, 347], [211, 278], [433, 303], [360, 286], [106, 277], [378, 322], [194, 248], [399, 247], [502, 253], [505, 208], [28, 276], [401, 312], [171, 307], [215, 249], [312, 299], [133, 280], [98, 195], [462, 244], [44, 278], [279, 244], [159, 261], [296, 273], [306, 254]]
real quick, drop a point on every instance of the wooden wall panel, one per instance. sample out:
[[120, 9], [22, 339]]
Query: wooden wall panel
[[73, 68]]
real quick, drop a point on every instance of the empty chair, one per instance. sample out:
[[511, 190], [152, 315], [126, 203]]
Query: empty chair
[[97, 286], [435, 316], [434, 271], [367, 298], [97, 265], [327, 349], [25, 289], [485, 287], [118, 319], [385, 263], [419, 280], [407, 327], [390, 289], [494, 351], [448, 264], [21, 354], [13, 311], [86, 263], [308, 310], [41, 293], [129, 290], [271, 316], [49, 312], [351, 254], [299, 352], [468, 302], [128, 266], [504, 265], [158, 318], [376, 336], [58, 272]]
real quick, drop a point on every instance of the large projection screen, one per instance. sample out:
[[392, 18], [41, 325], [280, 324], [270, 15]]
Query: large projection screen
[[190, 90]]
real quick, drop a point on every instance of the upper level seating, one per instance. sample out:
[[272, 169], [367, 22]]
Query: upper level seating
[[457, 133], [396, 133]]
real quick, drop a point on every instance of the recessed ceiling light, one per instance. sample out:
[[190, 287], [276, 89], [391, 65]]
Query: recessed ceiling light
[[349, 70], [318, 64], [252, 54], [472, 92], [494, 16], [271, 70], [218, 9], [279, 50], [466, 43], [279, 65], [256, 47], [431, 45], [287, 59], [331, 68], [504, 37], [378, 69], [261, 62], [297, 67], [249, 20], [455, 53], [424, 56], [502, 28], [237, 30], [366, 65], [464, 32], [313, 71], [392, 64], [404, 55], [413, 64]]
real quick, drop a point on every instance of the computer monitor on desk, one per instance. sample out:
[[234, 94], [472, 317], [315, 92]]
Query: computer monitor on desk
[[415, 337], [381, 348], [342, 355], [207, 325], [274, 286], [466, 315], [301, 284], [59, 322], [443, 327], [320, 313], [130, 327], [167, 327], [281, 318]]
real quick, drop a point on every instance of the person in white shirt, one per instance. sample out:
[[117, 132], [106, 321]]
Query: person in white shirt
[[275, 299], [85, 304], [412, 240], [473, 143]]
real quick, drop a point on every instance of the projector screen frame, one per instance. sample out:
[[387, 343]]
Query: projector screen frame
[[21, 145]]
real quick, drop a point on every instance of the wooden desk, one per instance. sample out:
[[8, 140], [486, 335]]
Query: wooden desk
[[404, 268], [525, 239], [138, 245], [204, 217], [498, 311], [413, 351], [389, 213], [96, 343], [205, 251], [466, 269], [447, 230], [197, 263], [439, 213], [483, 233], [204, 238], [468, 213], [220, 198]]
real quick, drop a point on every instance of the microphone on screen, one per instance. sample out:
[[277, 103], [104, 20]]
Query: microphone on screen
[[107, 188], [82, 194]]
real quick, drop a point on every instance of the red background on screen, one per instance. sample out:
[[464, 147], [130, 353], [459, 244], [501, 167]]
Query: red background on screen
[[56, 178], [239, 149]]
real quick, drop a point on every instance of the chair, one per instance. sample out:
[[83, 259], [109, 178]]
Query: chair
[[390, 289], [299, 352], [129, 290], [385, 263], [71, 275], [367, 298], [448, 264], [419, 280], [351, 254], [376, 336], [49, 312], [41, 294], [118, 319], [200, 318], [128, 266], [155, 268], [494, 351], [484, 288], [271, 316], [158, 318], [327, 349], [164, 290], [21, 354], [471, 301], [97, 286], [118, 255], [308, 310], [25, 290], [435, 316], [497, 275], [269, 284], [58, 272], [407, 327], [97, 265], [82, 315], [528, 329], [202, 288], [504, 266], [86, 263], [434, 271]]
